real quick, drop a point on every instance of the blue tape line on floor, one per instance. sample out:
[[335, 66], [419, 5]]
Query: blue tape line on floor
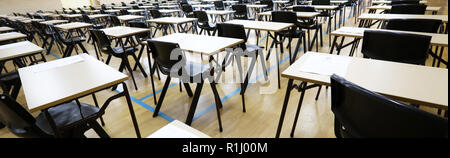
[[148, 107], [237, 90]]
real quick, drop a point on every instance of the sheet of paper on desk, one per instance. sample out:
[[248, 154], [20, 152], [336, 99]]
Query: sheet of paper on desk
[[57, 63], [171, 131], [326, 65]]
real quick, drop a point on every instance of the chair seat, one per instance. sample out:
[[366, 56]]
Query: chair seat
[[287, 33], [64, 115], [252, 48], [9, 76], [119, 50], [75, 40], [99, 26], [307, 25], [195, 69], [207, 26]]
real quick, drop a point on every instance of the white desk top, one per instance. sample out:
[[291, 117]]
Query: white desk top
[[129, 17], [112, 11], [261, 25], [220, 12], [171, 20], [11, 36], [404, 82], [320, 7], [299, 14], [73, 25], [256, 5], [437, 39], [444, 18], [389, 2], [55, 82], [169, 10], [5, 29], [13, 50], [177, 129], [54, 22], [98, 16], [123, 31], [388, 7], [208, 45]]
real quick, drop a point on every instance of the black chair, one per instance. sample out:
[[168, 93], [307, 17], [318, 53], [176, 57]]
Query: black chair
[[115, 21], [269, 4], [417, 25], [241, 12], [204, 24], [124, 12], [10, 83], [154, 13], [253, 51], [310, 24], [219, 5], [395, 2], [360, 113], [71, 42], [408, 9], [104, 45], [188, 11], [95, 23], [192, 73], [396, 47], [321, 2], [290, 33], [123, 4], [45, 34], [71, 119]]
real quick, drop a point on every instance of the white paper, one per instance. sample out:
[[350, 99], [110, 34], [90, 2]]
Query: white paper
[[326, 65], [57, 63], [171, 131]]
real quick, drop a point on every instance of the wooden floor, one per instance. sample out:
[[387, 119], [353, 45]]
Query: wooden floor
[[263, 110]]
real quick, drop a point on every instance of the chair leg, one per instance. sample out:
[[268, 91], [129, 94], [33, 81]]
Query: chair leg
[[139, 56], [139, 65], [318, 92], [218, 104], [127, 65], [194, 103], [98, 129], [82, 48], [298, 108], [161, 97], [188, 89]]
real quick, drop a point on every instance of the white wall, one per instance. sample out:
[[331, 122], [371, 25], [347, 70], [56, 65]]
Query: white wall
[[22, 6], [75, 3]]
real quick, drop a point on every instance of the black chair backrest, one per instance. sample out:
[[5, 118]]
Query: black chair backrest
[[304, 9], [140, 24], [395, 2], [155, 13], [232, 31], [162, 52], [123, 4], [360, 113], [187, 10], [284, 16], [417, 25], [92, 8], [240, 11], [269, 3], [321, 2], [201, 16], [102, 41], [135, 7], [115, 21], [18, 120], [219, 5], [86, 18], [408, 9], [124, 12], [396, 47], [104, 7]]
